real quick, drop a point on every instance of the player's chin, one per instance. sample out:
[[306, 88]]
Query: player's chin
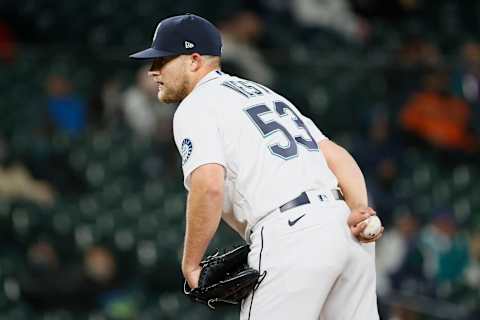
[[165, 98]]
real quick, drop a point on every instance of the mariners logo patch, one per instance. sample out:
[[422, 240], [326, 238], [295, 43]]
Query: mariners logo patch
[[187, 147]]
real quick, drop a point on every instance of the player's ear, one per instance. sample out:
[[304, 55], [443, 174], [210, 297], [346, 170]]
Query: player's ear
[[196, 61]]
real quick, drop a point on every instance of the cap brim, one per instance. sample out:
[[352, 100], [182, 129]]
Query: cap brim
[[150, 53]]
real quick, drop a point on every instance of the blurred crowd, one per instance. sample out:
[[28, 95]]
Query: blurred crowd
[[426, 124]]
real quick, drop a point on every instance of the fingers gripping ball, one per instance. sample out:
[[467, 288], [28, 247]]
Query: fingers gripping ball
[[373, 228]]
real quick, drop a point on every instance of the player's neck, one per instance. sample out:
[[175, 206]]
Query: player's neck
[[201, 74]]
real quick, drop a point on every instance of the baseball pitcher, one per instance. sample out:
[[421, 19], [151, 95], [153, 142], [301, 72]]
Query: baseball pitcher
[[249, 156]]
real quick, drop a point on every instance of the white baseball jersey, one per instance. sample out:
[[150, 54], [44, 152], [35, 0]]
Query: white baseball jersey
[[270, 154], [268, 148]]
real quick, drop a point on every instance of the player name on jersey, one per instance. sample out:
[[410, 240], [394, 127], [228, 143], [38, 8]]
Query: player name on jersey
[[246, 88]]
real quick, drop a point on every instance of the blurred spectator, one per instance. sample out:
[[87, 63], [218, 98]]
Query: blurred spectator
[[378, 155], [472, 273], [17, 183], [391, 10], [239, 54], [111, 99], [418, 53], [403, 269], [445, 251], [414, 57], [102, 280], [275, 6], [7, 43], [466, 80], [66, 111], [93, 284], [401, 312], [331, 14], [54, 166], [42, 257], [4, 152], [438, 117], [46, 284], [145, 115], [100, 266], [104, 107]]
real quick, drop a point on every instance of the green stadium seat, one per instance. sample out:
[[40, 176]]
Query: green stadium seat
[[95, 174], [17, 311], [174, 207], [111, 193], [461, 178], [463, 210], [148, 225], [88, 208], [5, 209], [58, 315], [147, 254], [132, 206], [84, 236], [441, 192], [118, 160], [170, 305], [403, 188], [124, 239], [23, 221], [153, 194], [422, 177], [104, 226], [78, 159], [422, 205], [62, 223]]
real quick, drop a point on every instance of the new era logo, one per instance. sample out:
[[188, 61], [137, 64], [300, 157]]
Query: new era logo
[[189, 45]]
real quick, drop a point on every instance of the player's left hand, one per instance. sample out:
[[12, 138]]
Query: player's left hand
[[355, 219], [192, 276]]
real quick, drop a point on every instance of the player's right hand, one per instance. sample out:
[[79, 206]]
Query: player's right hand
[[355, 219], [192, 276]]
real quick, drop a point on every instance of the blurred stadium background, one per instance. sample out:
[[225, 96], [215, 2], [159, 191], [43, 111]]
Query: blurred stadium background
[[91, 198]]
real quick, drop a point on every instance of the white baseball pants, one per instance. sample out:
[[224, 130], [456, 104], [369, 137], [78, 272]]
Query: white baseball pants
[[315, 268]]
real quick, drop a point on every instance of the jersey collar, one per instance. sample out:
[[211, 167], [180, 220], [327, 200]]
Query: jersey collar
[[209, 76]]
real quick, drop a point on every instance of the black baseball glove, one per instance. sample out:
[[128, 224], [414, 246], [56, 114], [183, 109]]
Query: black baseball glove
[[225, 278]]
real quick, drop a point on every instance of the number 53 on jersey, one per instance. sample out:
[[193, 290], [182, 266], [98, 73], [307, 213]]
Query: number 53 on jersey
[[267, 128]]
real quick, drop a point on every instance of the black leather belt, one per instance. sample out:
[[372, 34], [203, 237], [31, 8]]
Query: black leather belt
[[303, 199]]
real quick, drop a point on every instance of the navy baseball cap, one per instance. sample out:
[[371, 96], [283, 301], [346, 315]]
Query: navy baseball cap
[[184, 34]]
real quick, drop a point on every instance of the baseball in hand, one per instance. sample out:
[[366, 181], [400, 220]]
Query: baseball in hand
[[373, 228]]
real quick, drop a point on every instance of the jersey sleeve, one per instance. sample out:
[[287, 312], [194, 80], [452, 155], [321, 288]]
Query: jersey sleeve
[[198, 139], [316, 133]]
